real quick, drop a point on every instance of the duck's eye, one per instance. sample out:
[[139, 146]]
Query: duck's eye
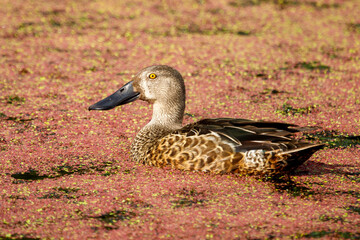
[[152, 76]]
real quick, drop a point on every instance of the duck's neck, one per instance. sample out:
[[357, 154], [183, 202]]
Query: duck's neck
[[168, 115], [166, 118]]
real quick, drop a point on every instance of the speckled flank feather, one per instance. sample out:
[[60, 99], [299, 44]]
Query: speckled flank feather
[[218, 145]]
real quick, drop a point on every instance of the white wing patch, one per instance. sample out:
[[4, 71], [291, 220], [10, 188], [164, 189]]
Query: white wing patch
[[255, 159]]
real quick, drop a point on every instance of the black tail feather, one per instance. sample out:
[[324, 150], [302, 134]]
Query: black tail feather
[[301, 155]]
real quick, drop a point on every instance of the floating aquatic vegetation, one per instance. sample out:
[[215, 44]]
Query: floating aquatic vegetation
[[334, 139], [65, 172]]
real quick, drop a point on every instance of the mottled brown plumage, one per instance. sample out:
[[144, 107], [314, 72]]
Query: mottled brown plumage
[[220, 145]]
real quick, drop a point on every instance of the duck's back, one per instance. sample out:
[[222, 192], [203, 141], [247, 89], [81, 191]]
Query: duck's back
[[232, 145]]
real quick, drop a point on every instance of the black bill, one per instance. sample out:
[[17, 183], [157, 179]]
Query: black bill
[[124, 95]]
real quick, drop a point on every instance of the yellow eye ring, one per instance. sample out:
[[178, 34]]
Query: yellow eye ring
[[152, 76]]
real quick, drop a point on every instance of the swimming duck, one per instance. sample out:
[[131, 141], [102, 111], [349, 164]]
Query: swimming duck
[[219, 145]]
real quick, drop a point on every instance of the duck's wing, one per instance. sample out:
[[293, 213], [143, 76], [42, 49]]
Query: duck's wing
[[245, 134]]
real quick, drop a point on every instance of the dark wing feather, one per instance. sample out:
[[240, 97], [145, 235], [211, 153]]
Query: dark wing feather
[[249, 135]]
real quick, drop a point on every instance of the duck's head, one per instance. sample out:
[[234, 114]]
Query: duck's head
[[158, 84]]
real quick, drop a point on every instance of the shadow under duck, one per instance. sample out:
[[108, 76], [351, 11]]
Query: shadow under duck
[[218, 145]]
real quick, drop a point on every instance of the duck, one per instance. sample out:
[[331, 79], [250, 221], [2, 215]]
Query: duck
[[215, 145]]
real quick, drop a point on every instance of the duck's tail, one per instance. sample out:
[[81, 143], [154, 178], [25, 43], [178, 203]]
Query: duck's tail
[[297, 156]]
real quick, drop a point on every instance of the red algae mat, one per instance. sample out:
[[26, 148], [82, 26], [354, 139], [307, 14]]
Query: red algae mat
[[65, 171]]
